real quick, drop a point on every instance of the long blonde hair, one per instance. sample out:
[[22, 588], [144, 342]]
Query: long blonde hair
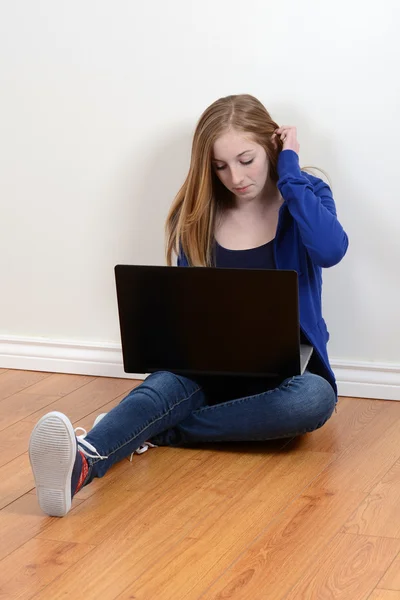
[[191, 219]]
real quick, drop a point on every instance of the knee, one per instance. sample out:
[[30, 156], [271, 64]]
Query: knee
[[321, 400], [167, 383], [155, 382], [161, 377], [160, 384]]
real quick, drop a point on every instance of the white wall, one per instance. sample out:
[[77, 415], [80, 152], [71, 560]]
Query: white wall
[[98, 105]]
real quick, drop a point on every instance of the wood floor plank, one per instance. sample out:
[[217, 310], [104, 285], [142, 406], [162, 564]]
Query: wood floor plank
[[353, 415], [14, 441], [16, 479], [167, 515], [225, 532], [379, 514], [14, 437], [379, 594], [132, 478], [13, 382], [21, 405], [3, 371], [87, 399], [119, 557], [391, 579], [366, 460], [311, 517], [350, 567], [130, 495], [34, 565], [22, 520], [272, 565], [219, 476], [119, 550], [109, 568], [59, 384]]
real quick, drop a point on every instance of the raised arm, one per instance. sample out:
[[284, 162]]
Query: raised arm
[[313, 208]]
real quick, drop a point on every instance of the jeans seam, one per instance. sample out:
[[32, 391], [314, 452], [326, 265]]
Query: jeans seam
[[95, 461]]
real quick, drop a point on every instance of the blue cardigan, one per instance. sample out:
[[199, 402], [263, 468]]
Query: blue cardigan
[[308, 237]]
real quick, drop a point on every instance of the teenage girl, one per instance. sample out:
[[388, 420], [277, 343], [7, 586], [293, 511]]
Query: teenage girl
[[245, 204]]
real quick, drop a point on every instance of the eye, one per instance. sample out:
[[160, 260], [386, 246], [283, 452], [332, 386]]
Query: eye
[[245, 163]]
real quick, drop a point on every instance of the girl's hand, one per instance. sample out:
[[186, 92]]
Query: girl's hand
[[288, 135]]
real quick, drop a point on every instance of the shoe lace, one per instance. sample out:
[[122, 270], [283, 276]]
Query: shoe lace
[[143, 448], [85, 446]]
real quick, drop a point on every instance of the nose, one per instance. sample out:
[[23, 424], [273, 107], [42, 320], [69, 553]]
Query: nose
[[236, 177]]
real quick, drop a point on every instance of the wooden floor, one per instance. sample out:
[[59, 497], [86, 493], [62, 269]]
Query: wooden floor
[[317, 517]]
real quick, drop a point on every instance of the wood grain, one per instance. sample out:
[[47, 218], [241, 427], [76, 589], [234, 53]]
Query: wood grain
[[379, 594], [20, 521], [379, 513], [86, 399], [349, 567], [272, 565], [174, 514], [37, 563], [311, 517], [137, 487], [240, 520], [16, 479], [368, 458], [13, 382], [14, 441], [21, 406], [391, 579], [59, 384]]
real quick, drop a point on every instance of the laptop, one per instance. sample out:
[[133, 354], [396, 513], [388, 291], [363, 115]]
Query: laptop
[[210, 321]]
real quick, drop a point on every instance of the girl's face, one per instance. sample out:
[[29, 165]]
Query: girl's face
[[241, 164]]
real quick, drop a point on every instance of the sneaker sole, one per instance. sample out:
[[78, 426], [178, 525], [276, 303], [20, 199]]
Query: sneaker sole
[[52, 453]]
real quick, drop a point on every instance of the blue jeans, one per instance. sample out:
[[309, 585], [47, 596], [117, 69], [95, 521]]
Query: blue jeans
[[172, 410]]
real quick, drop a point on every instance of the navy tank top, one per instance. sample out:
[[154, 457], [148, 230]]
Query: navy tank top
[[261, 257]]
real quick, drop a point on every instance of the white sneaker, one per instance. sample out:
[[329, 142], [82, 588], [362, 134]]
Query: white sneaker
[[57, 464], [143, 448]]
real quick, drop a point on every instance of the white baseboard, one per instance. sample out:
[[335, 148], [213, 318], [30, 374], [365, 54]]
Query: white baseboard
[[41, 354], [357, 379], [367, 379]]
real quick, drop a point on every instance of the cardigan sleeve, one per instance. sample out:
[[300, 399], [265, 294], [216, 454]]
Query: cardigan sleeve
[[182, 260], [313, 208]]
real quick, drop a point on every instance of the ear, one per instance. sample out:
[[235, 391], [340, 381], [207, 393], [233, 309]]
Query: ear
[[274, 142]]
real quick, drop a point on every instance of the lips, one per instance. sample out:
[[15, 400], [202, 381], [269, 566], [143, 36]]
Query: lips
[[241, 190]]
